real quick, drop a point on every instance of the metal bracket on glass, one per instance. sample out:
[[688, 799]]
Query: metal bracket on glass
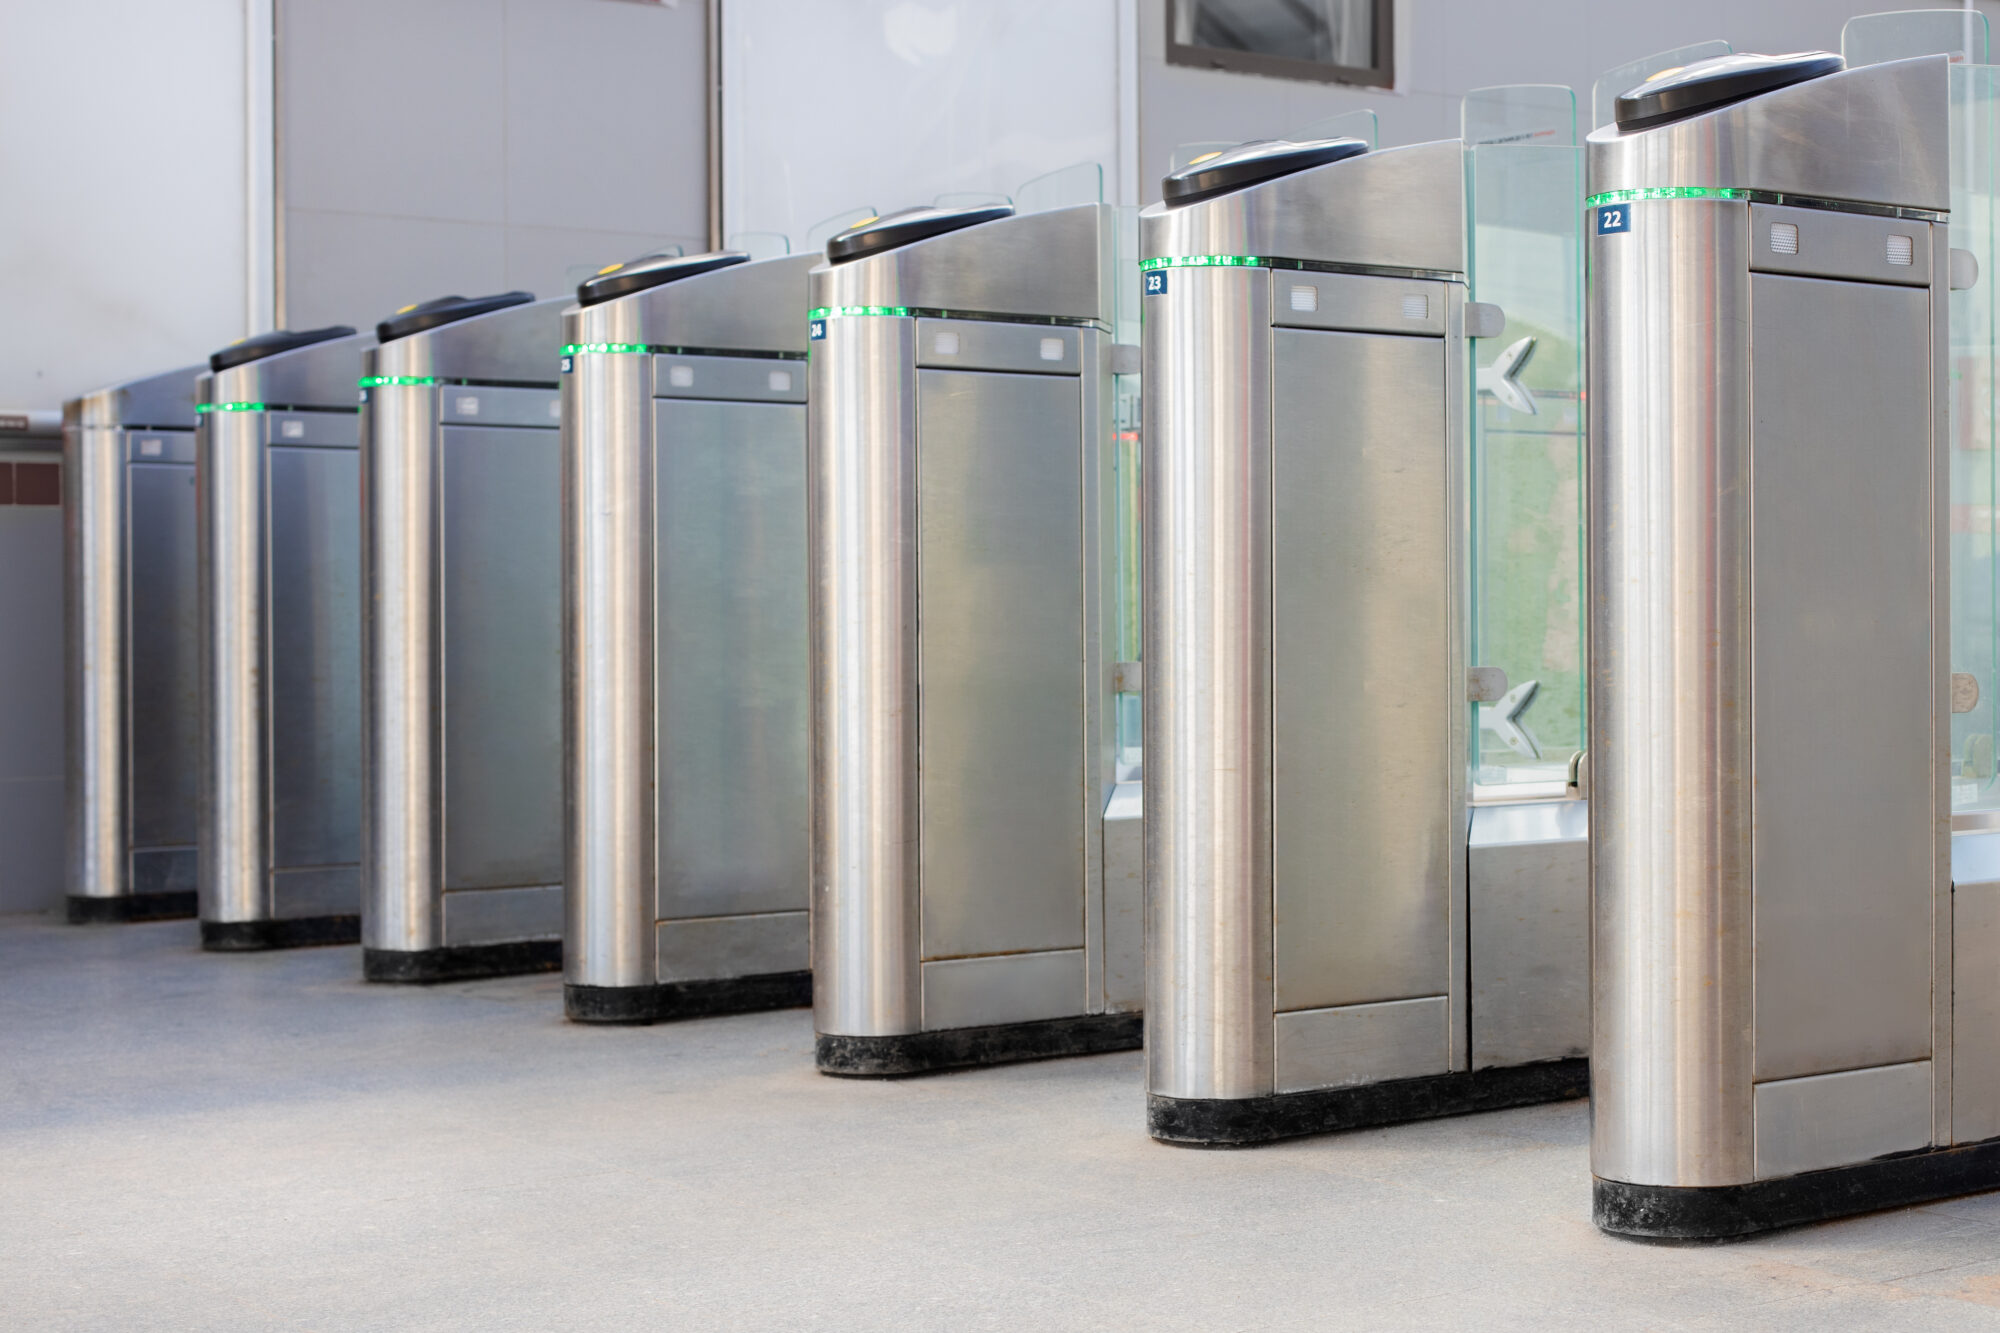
[[1579, 775], [1964, 692], [1483, 319], [1964, 269], [1124, 359], [1485, 685], [1128, 678]]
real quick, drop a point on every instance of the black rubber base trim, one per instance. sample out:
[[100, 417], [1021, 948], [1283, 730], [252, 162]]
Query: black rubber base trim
[[671, 1001], [291, 933], [1235, 1122], [963, 1048], [463, 962], [1730, 1212], [168, 906]]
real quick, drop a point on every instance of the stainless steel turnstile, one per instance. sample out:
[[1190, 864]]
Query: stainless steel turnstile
[[461, 809], [278, 537], [131, 699], [1307, 683], [684, 684], [1769, 731], [962, 753]]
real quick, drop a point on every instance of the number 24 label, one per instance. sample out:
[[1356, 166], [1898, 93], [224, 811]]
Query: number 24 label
[[1613, 217]]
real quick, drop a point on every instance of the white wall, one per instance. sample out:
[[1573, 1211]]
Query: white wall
[[838, 103], [430, 147], [122, 244], [1446, 48]]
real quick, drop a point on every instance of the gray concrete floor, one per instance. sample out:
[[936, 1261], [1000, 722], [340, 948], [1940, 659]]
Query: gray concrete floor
[[261, 1141]]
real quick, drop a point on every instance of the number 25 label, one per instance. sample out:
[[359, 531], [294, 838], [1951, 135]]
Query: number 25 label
[[1613, 217]]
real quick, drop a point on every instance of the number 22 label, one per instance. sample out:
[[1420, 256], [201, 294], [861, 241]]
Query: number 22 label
[[1613, 217]]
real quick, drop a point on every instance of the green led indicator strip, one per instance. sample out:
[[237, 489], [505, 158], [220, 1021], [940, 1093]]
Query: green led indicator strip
[[571, 349], [229, 407], [1663, 192], [845, 311], [386, 381], [1205, 261]]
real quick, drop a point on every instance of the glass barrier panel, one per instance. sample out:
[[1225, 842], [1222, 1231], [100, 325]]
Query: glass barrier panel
[[1125, 501], [1364, 125], [826, 229], [1622, 79], [761, 244], [1871, 39], [1187, 154], [1068, 187], [1971, 432], [1524, 195], [1970, 404], [971, 199]]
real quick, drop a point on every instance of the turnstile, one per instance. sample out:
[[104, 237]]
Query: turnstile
[[684, 623], [1308, 687], [278, 538], [461, 789], [131, 702], [963, 588], [1769, 734]]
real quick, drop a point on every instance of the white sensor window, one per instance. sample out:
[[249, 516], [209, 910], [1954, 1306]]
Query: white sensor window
[[1052, 349], [1305, 298], [945, 344], [292, 430], [555, 409], [681, 377], [149, 448], [1902, 250], [1784, 238], [781, 381], [1416, 306], [468, 406]]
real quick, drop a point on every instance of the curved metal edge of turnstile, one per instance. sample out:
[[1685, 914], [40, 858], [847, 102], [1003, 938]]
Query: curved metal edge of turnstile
[[292, 932], [1734, 1212], [1236, 1122], [931, 1052], [672, 1001]]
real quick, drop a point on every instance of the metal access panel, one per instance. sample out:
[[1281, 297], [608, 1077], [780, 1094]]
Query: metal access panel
[[500, 595], [1841, 534], [313, 659], [1000, 585], [732, 701], [162, 666], [1362, 824]]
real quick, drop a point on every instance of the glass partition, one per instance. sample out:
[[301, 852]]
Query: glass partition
[[971, 199], [1971, 403], [1524, 196], [1082, 183], [1363, 125], [1622, 79], [761, 244]]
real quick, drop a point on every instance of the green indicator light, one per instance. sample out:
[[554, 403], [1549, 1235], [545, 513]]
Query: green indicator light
[[1664, 192], [571, 349], [1205, 261], [384, 381], [844, 311], [229, 407]]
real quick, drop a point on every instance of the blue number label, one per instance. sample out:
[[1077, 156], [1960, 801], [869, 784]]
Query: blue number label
[[1613, 217], [818, 330], [1156, 282]]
